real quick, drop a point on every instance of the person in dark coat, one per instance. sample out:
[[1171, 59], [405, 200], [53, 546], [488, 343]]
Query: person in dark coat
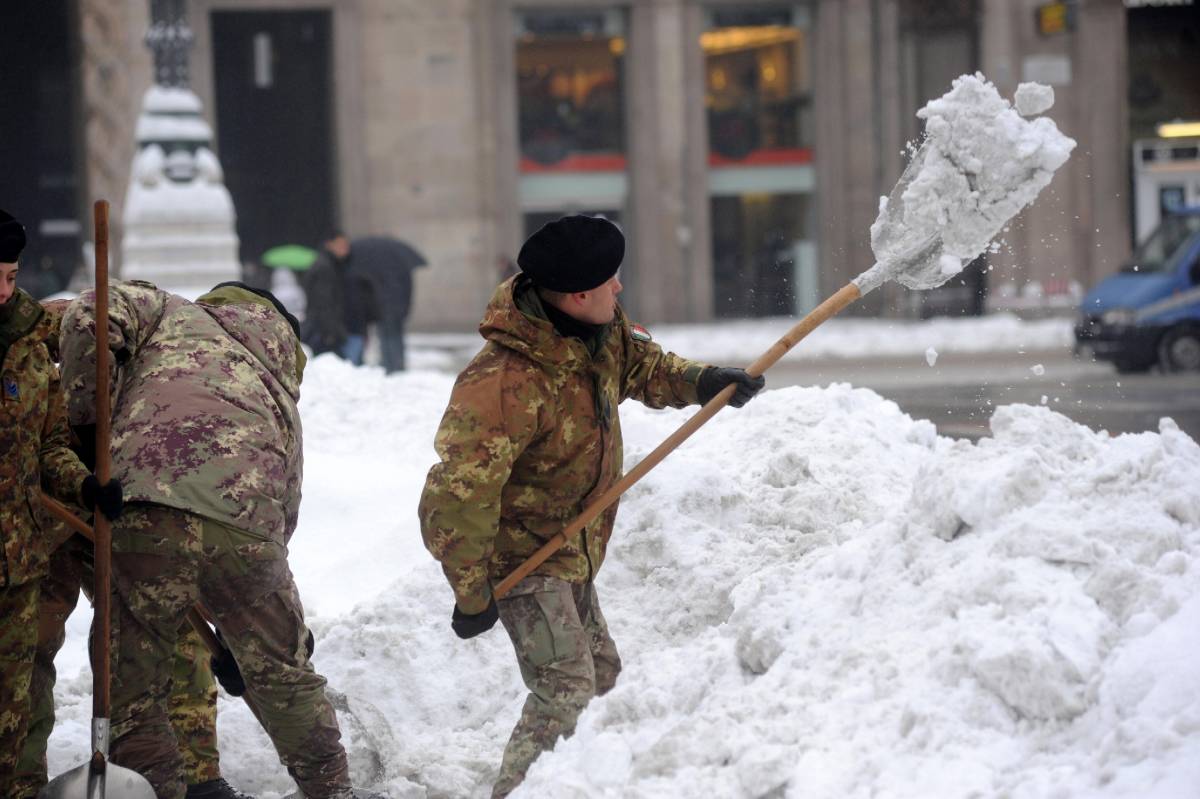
[[324, 327], [358, 282]]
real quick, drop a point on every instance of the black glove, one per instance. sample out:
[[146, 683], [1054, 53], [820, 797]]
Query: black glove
[[715, 378], [226, 670], [86, 448], [468, 626], [106, 498]]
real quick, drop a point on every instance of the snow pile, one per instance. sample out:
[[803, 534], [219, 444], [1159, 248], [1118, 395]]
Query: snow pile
[[855, 608], [814, 596], [980, 164]]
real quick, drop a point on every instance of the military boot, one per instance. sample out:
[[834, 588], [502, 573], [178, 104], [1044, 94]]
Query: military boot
[[215, 789]]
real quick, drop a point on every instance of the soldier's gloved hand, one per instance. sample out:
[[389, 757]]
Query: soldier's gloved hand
[[715, 378], [107, 498], [226, 670], [466, 625]]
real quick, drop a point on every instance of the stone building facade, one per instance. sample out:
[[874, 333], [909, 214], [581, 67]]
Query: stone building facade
[[743, 146]]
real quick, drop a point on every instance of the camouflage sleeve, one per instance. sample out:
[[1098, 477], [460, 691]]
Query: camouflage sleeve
[[62, 471], [492, 416], [656, 378], [77, 348]]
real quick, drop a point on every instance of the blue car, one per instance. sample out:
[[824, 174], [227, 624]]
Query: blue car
[[1149, 312]]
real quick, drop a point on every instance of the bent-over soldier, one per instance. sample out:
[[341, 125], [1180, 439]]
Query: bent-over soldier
[[207, 440]]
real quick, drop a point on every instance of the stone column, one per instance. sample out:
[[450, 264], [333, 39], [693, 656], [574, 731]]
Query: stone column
[[657, 139], [847, 143], [113, 73]]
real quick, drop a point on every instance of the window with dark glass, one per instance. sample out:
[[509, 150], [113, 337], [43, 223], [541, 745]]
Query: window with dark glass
[[570, 92], [758, 81]]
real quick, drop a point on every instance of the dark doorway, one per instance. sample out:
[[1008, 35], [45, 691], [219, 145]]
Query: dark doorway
[[39, 172], [274, 106]]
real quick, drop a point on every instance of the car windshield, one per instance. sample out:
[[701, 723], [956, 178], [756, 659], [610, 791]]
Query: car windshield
[[1161, 251]]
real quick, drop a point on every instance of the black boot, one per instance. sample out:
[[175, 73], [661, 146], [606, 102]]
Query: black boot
[[215, 789]]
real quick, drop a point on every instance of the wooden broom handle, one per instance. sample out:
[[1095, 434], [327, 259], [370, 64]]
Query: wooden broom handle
[[831, 306]]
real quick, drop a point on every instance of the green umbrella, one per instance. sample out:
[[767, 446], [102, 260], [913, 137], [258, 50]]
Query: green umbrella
[[289, 256]]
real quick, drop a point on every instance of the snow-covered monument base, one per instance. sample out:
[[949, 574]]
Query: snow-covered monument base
[[179, 218]]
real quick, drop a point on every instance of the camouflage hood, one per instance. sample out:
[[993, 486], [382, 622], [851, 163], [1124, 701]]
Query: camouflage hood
[[516, 319], [228, 305]]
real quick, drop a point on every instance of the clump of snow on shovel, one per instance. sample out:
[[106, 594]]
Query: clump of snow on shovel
[[981, 163]]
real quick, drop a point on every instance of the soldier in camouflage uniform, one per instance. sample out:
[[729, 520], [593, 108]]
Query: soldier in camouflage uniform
[[530, 437], [207, 440], [193, 704], [34, 455]]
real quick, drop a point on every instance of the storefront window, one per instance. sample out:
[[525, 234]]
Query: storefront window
[[759, 92], [570, 93], [760, 178]]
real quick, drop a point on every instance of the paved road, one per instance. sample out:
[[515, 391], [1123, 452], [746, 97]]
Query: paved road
[[959, 392]]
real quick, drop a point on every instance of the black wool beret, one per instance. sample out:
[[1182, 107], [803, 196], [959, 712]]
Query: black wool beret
[[575, 253], [12, 239]]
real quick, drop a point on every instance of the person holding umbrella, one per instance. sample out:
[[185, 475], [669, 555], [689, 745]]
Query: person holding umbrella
[[355, 283], [34, 453]]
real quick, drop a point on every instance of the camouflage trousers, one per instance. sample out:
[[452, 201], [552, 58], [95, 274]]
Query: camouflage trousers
[[566, 657], [193, 703], [18, 642], [164, 561]]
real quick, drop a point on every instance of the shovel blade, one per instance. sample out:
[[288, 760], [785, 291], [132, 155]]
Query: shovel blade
[[83, 782]]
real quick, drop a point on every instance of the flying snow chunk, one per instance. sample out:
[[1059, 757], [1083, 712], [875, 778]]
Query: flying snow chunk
[[931, 356], [980, 163], [1033, 99], [1038, 369]]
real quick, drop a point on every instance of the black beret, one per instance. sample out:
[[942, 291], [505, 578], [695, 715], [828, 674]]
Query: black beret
[[12, 239], [575, 253]]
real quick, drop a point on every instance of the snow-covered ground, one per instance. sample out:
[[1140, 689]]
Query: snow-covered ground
[[815, 596]]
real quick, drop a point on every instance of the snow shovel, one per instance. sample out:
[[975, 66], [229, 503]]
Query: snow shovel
[[98, 778], [979, 165]]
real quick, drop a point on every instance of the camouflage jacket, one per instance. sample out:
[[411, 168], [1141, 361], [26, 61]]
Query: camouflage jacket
[[34, 443], [204, 414], [531, 434]]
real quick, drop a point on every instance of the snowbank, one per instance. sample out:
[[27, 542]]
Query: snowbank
[[816, 596]]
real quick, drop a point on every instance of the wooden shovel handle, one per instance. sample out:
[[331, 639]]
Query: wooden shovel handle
[[103, 538], [196, 616], [843, 297]]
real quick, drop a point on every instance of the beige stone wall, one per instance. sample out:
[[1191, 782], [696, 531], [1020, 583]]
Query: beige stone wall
[[425, 143]]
